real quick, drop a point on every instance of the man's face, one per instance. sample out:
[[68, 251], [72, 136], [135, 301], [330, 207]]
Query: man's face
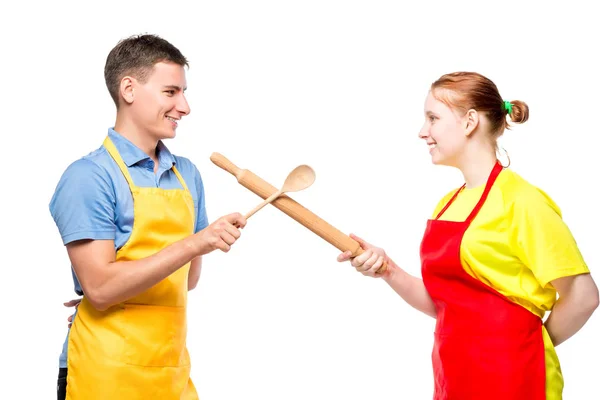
[[160, 102]]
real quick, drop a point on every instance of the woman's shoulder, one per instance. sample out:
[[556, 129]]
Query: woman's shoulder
[[522, 195]]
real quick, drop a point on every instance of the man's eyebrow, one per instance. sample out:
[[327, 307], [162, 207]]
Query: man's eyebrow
[[175, 87]]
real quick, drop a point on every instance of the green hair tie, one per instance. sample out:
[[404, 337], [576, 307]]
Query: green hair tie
[[508, 107]]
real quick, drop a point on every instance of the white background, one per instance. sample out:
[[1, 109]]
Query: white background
[[338, 85]]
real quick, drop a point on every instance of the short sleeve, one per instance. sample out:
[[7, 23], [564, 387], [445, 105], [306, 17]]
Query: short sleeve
[[542, 240], [201, 217], [83, 204]]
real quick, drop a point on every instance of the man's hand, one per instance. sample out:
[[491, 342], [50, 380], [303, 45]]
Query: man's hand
[[72, 303], [221, 234]]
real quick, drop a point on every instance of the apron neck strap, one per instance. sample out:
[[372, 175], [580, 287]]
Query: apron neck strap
[[450, 201], [490, 182], [114, 153], [178, 175]]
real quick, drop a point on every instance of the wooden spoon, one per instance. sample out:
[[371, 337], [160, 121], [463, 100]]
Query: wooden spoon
[[299, 179]]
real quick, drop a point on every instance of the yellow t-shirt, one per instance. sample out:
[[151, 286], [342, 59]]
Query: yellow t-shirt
[[517, 244]]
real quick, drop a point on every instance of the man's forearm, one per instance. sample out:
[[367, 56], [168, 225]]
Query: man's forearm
[[194, 274], [122, 280]]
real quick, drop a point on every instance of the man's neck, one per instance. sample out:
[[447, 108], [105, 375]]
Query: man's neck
[[130, 131]]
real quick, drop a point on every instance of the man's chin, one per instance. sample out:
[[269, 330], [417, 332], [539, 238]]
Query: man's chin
[[166, 135]]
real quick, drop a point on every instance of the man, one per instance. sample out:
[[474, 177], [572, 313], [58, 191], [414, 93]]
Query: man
[[133, 220]]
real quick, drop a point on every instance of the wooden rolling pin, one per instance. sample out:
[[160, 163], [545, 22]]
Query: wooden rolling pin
[[292, 208]]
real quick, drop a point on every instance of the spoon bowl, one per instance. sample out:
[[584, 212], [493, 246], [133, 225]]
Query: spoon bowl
[[300, 178]]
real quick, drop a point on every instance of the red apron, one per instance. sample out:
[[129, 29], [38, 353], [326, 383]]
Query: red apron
[[486, 347]]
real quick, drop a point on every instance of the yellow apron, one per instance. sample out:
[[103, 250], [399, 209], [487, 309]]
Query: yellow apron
[[137, 349]]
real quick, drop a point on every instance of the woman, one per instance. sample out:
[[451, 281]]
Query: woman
[[494, 255]]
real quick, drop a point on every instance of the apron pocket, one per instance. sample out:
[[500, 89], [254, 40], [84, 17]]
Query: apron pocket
[[154, 336]]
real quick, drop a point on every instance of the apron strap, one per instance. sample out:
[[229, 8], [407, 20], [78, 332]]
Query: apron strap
[[490, 182], [112, 150], [114, 153], [450, 201], [180, 178]]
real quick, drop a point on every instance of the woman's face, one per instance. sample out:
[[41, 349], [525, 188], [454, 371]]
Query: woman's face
[[444, 132]]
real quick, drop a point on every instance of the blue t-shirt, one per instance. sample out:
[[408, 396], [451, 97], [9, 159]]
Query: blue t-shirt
[[93, 201]]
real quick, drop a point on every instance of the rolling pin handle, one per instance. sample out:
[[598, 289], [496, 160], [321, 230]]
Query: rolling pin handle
[[222, 162]]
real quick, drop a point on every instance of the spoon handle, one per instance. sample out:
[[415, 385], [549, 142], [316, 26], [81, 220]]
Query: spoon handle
[[264, 203]]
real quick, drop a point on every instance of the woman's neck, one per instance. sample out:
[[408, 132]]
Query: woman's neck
[[477, 167]]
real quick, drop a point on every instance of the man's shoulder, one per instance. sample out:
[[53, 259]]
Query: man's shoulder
[[84, 182], [98, 161], [96, 168]]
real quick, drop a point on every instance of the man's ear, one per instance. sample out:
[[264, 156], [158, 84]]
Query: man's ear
[[126, 89]]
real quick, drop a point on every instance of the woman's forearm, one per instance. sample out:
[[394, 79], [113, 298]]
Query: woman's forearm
[[574, 307], [410, 288]]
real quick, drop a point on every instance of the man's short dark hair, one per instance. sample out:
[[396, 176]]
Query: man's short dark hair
[[136, 57]]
